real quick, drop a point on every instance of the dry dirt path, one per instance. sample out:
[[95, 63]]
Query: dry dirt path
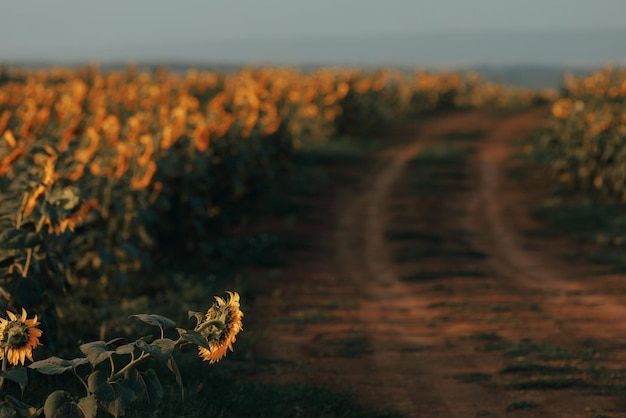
[[423, 279]]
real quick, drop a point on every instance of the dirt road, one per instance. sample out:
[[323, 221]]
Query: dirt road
[[426, 293]]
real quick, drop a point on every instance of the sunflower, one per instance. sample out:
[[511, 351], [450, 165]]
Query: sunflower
[[221, 324], [18, 337]]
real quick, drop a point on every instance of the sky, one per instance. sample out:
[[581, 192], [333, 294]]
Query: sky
[[109, 29]]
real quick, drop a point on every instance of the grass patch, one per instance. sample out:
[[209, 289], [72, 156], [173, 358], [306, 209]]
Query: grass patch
[[342, 305], [522, 405], [344, 151], [441, 153], [544, 352], [354, 346], [347, 347], [413, 235], [410, 254], [439, 181], [415, 348], [581, 218], [545, 367], [439, 287], [472, 377], [613, 257], [488, 336], [533, 368], [551, 383], [308, 316], [438, 275], [465, 307], [471, 134], [227, 396]]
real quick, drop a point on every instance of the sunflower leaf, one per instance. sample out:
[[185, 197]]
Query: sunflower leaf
[[114, 396], [56, 365], [116, 340], [156, 320], [153, 387], [148, 391], [126, 348], [60, 404], [193, 337], [171, 364], [16, 374], [24, 409], [88, 406], [7, 412], [96, 352], [198, 315], [6, 262], [160, 348], [135, 382]]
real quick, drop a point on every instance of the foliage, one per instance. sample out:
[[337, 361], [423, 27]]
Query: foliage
[[586, 142], [117, 374]]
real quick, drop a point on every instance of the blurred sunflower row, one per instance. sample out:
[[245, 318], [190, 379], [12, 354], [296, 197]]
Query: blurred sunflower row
[[102, 171], [587, 139]]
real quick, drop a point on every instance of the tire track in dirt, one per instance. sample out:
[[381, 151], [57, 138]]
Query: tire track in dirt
[[573, 304], [543, 273], [395, 357], [414, 385]]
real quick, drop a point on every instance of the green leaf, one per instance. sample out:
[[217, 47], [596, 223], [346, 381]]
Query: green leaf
[[114, 397], [193, 337], [160, 348], [7, 412], [114, 341], [126, 348], [146, 387], [96, 352], [88, 406], [130, 250], [198, 315], [156, 320], [19, 240], [56, 266], [135, 382], [60, 404], [99, 386], [17, 374], [12, 234], [7, 261], [24, 409], [153, 387], [56, 365], [171, 364], [31, 240]]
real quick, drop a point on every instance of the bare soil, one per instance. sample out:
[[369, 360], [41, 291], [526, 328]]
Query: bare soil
[[420, 280]]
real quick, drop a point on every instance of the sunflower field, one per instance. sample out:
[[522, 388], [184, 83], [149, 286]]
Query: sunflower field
[[586, 142], [101, 172], [104, 173]]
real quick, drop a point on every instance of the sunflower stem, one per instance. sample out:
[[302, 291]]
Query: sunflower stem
[[112, 365], [29, 256], [29, 252], [81, 381], [20, 213], [4, 365], [130, 365], [18, 225]]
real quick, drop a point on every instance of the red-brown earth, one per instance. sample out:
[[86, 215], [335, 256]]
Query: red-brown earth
[[422, 288]]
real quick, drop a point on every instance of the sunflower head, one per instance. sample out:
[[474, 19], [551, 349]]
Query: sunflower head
[[18, 337], [220, 326]]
